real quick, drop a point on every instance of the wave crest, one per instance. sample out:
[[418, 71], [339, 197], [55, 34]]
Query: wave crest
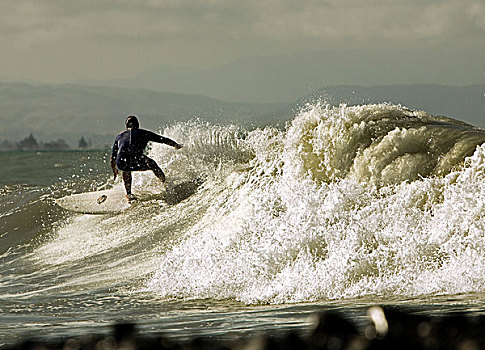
[[381, 143]]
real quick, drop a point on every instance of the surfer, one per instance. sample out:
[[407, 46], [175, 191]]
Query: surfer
[[128, 155]]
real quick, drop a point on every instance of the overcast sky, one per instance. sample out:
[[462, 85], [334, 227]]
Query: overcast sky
[[57, 41]]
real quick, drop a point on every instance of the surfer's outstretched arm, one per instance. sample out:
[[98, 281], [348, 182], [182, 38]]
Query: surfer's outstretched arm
[[114, 153], [113, 166], [162, 139]]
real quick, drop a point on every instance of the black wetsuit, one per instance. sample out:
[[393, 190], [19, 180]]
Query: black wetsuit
[[129, 146]]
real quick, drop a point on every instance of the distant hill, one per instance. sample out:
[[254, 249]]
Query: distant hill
[[72, 111], [466, 103], [52, 112], [286, 77]]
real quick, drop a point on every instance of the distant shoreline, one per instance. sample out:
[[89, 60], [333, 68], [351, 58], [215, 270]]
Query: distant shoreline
[[97, 113]]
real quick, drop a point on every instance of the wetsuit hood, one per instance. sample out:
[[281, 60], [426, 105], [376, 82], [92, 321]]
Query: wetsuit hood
[[132, 122]]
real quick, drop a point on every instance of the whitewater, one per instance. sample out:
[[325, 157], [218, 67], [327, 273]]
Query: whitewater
[[344, 208]]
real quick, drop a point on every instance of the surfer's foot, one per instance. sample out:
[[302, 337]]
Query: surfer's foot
[[131, 198]]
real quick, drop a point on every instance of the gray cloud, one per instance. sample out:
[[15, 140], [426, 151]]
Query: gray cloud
[[304, 19], [119, 38], [371, 20]]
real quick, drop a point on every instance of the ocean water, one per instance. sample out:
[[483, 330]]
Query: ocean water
[[345, 208]]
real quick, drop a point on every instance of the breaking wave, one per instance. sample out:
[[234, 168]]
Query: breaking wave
[[345, 202]]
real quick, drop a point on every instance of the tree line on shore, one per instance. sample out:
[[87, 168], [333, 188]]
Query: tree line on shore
[[31, 144]]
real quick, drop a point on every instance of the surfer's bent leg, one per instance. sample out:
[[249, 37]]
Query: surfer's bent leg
[[127, 182], [153, 166]]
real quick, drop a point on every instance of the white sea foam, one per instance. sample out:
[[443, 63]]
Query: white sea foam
[[108, 249], [345, 202], [348, 201]]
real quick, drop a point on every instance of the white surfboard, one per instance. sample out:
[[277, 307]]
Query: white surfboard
[[99, 202], [114, 200]]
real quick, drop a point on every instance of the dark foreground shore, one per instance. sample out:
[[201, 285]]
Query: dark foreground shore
[[385, 329]]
